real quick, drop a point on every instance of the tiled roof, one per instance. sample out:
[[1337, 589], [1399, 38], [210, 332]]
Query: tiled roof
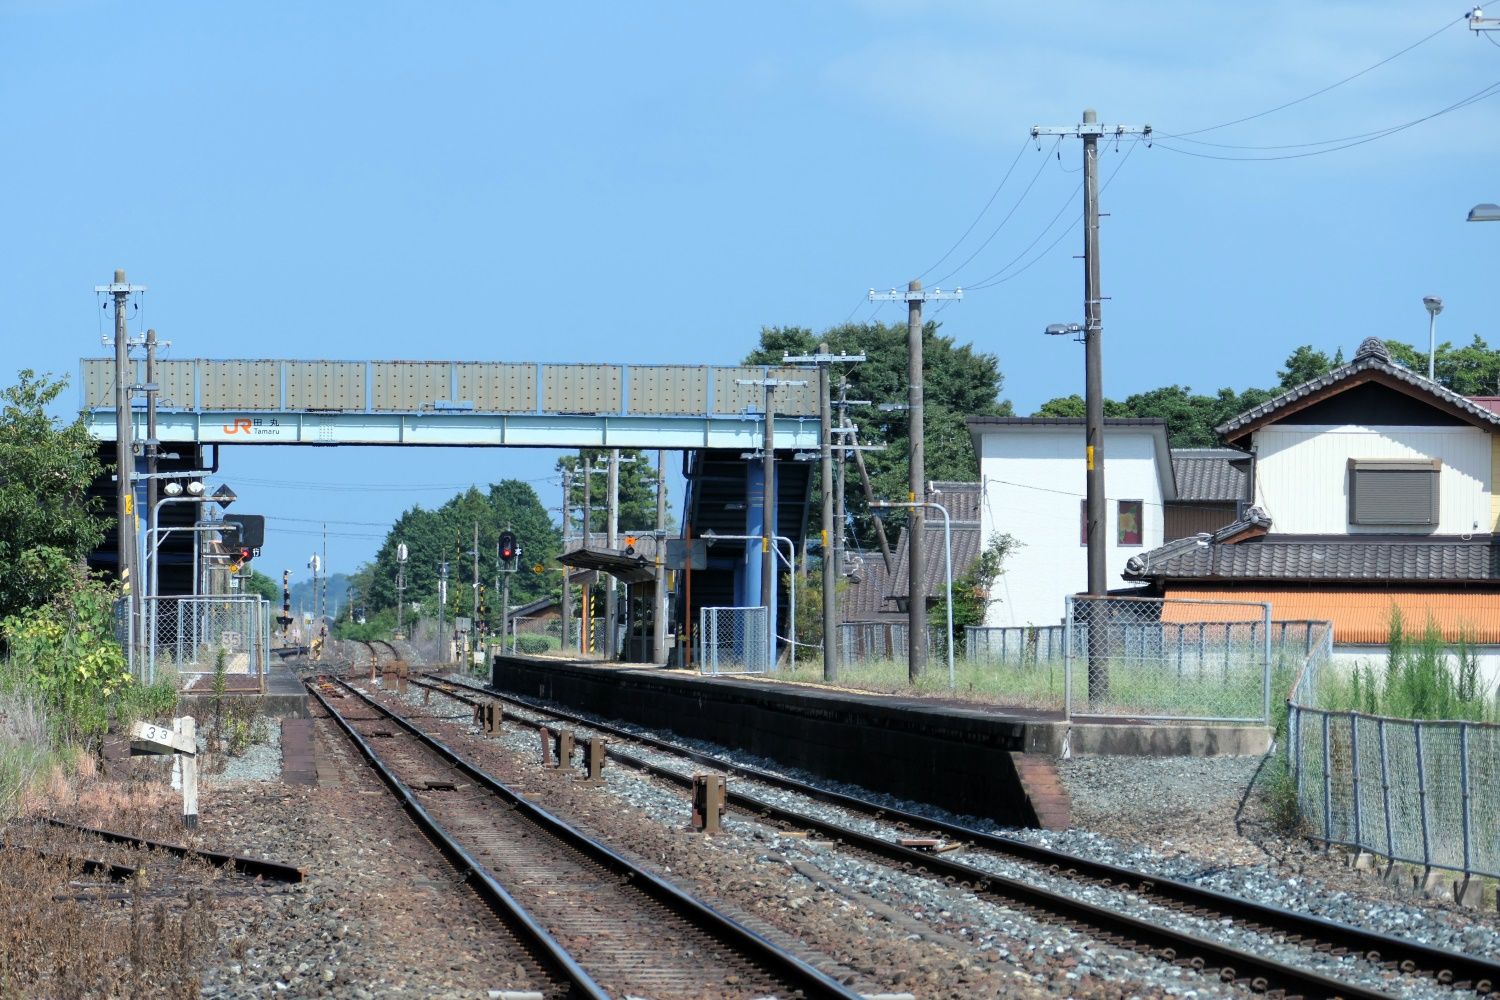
[[1210, 474], [873, 595], [1363, 617], [867, 595], [961, 500], [1371, 356], [1371, 559]]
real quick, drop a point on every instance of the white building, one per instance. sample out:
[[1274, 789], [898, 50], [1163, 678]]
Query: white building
[[1032, 476]]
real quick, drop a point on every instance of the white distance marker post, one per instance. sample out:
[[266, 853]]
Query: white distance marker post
[[182, 742]]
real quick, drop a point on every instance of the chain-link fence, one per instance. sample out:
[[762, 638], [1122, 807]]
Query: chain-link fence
[[1152, 658], [733, 641], [1419, 792], [874, 641], [192, 635]]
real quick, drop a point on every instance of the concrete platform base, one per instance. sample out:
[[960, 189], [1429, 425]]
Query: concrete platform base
[[284, 697]]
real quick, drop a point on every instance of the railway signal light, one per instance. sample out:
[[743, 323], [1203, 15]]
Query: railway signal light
[[508, 548]]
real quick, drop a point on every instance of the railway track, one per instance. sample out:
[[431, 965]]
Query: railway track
[[1313, 933], [599, 924]]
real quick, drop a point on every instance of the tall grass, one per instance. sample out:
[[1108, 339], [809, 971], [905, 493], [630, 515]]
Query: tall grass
[[1423, 678]]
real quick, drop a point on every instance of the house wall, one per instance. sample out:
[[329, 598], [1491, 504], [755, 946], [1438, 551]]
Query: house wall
[[1301, 475], [1033, 482]]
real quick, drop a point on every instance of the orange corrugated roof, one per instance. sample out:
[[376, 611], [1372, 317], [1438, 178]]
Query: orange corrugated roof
[[1363, 617]]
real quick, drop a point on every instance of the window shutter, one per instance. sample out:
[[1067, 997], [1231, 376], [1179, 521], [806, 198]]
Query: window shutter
[[1395, 492]]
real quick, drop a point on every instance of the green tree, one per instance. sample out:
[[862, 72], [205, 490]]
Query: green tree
[[47, 522], [1305, 364], [1471, 370], [971, 592], [959, 382], [637, 490], [258, 583]]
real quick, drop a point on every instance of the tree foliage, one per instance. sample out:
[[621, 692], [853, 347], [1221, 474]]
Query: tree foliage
[[447, 533], [959, 382], [637, 490], [971, 592], [47, 522], [1471, 370]]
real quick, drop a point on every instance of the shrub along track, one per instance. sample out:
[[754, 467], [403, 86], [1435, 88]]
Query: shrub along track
[[1316, 934], [598, 923]]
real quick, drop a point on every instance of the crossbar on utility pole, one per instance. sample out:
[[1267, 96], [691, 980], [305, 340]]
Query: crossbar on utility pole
[[824, 358], [1089, 130], [916, 601]]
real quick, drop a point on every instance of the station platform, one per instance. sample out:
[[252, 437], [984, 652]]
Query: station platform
[[968, 757], [284, 695]]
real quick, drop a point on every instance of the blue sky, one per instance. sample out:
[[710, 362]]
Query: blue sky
[[653, 183]]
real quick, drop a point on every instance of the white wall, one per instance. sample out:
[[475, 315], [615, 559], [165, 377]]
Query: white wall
[[1301, 474], [1033, 482]]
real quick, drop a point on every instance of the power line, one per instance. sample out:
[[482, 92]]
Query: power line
[[993, 195], [994, 232], [1323, 90], [1474, 98], [995, 279]]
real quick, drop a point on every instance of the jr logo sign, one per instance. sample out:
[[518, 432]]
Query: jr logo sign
[[252, 427]]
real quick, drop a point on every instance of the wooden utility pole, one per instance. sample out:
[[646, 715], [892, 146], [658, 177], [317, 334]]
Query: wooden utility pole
[[916, 601], [659, 604], [1093, 330]]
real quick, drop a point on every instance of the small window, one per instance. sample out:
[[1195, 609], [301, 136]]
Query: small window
[[1394, 492], [1128, 526]]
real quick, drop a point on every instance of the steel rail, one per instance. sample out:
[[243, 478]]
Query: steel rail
[[1393, 952], [798, 973], [473, 870], [237, 862]]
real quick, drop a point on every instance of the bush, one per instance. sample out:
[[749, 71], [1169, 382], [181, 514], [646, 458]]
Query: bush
[[532, 644]]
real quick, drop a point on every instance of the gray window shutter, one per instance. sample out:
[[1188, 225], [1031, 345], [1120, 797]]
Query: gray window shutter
[[1394, 492]]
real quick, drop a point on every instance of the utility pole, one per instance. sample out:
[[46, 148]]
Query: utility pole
[[401, 554], [659, 605], [768, 507], [125, 549], [325, 573], [442, 601], [832, 533], [1093, 330], [567, 588], [474, 628], [151, 442], [916, 601], [611, 538], [586, 623]]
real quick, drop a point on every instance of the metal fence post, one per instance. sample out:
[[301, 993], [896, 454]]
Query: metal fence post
[[1266, 651], [1385, 788], [1463, 777], [1068, 660], [1327, 782], [1422, 795], [1354, 772]]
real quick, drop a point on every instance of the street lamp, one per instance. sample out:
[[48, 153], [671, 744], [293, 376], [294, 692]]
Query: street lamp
[[1487, 212], [1434, 306], [947, 566]]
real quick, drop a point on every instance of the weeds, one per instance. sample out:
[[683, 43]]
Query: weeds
[[1424, 678]]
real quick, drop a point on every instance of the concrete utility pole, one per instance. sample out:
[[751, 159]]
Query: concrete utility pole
[[474, 628], [125, 549], [611, 539], [916, 601], [586, 612], [768, 507], [567, 589], [1093, 330], [659, 605], [151, 441], [832, 532]]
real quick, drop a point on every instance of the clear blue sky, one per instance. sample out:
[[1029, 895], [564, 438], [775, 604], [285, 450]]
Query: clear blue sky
[[653, 183]]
